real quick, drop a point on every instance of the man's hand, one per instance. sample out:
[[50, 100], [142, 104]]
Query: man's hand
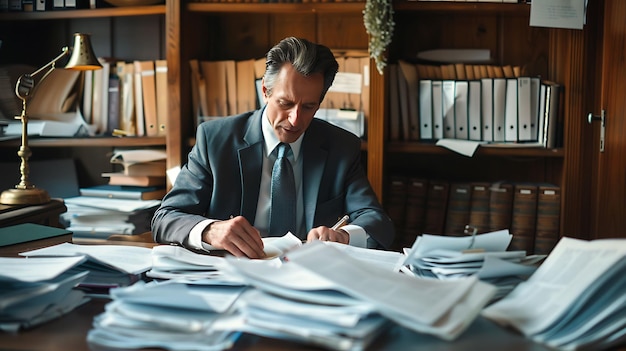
[[326, 234], [236, 236]]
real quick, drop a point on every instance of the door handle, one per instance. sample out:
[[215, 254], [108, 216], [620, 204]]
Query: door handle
[[602, 118]]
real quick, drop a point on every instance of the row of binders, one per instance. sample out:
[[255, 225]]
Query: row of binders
[[228, 87], [494, 104], [121, 97], [531, 211]]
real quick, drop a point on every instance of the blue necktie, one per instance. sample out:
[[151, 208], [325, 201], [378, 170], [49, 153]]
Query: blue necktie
[[283, 195]]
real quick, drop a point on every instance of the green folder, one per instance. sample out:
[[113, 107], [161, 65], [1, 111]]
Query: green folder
[[20, 233]]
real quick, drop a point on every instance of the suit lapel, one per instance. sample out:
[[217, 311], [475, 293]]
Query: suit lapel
[[250, 165]]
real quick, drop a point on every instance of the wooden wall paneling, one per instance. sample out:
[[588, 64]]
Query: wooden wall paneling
[[342, 31], [568, 68], [178, 87], [298, 25]]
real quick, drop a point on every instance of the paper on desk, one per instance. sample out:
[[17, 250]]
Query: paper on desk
[[36, 268], [493, 241], [563, 281], [128, 259], [441, 308], [382, 258], [169, 293]]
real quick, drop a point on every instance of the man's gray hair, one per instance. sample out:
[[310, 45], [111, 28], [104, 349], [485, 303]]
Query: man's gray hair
[[306, 58]]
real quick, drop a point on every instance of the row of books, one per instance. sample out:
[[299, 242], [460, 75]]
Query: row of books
[[472, 102], [531, 211], [54, 5], [122, 97], [228, 87]]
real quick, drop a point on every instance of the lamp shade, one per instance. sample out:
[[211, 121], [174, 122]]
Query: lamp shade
[[83, 58]]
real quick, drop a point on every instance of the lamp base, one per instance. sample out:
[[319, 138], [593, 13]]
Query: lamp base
[[31, 196]]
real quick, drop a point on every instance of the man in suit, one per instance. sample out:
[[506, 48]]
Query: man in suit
[[221, 196]]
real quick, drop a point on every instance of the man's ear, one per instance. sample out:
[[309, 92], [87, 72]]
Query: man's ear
[[265, 90]]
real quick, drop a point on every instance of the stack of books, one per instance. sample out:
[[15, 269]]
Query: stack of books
[[123, 206], [140, 167]]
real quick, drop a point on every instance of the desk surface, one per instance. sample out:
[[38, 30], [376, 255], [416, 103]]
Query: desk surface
[[69, 331]]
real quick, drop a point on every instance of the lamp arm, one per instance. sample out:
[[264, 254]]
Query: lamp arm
[[64, 52]]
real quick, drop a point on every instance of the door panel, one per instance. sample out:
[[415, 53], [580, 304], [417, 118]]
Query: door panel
[[609, 218]]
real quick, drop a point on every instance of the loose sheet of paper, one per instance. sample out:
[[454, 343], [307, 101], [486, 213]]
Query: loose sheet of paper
[[558, 13]]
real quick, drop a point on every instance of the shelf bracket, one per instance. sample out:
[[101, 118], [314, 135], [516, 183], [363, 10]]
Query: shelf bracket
[[602, 118]]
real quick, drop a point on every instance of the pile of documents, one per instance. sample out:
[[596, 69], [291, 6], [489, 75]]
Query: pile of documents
[[36, 290], [98, 218], [172, 315], [108, 266], [482, 255], [575, 300], [440, 308]]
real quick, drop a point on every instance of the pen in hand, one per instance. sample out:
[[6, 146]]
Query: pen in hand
[[343, 220]]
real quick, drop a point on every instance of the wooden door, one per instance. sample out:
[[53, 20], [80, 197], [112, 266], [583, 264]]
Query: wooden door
[[609, 168]]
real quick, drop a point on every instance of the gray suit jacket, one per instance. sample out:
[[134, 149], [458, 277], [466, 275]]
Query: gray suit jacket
[[223, 175]]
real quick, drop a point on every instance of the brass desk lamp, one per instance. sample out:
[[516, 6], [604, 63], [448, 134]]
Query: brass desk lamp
[[83, 58]]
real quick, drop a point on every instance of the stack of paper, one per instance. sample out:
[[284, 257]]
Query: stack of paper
[[575, 300], [98, 218], [483, 256], [169, 262], [109, 266], [441, 308], [169, 315], [34, 291], [295, 304]]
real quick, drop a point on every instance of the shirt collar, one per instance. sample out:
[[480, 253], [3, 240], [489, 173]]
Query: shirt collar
[[271, 141]]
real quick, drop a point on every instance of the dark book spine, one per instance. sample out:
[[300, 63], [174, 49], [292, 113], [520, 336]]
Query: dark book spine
[[415, 215], [524, 218], [548, 218], [396, 203], [436, 205], [457, 216], [479, 207], [500, 206]]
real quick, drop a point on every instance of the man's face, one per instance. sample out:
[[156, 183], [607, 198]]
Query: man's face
[[293, 103]]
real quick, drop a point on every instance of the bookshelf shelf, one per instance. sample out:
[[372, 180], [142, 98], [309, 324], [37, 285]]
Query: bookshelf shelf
[[84, 13], [510, 151], [277, 8], [465, 7], [88, 142]]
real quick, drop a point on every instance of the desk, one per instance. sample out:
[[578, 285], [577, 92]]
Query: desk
[[45, 214], [69, 332]]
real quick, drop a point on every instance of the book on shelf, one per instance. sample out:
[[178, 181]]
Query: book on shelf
[[141, 162], [479, 206], [458, 210], [145, 70], [162, 95], [120, 178], [436, 206], [415, 214], [124, 192], [500, 205], [523, 217], [396, 203], [548, 218]]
